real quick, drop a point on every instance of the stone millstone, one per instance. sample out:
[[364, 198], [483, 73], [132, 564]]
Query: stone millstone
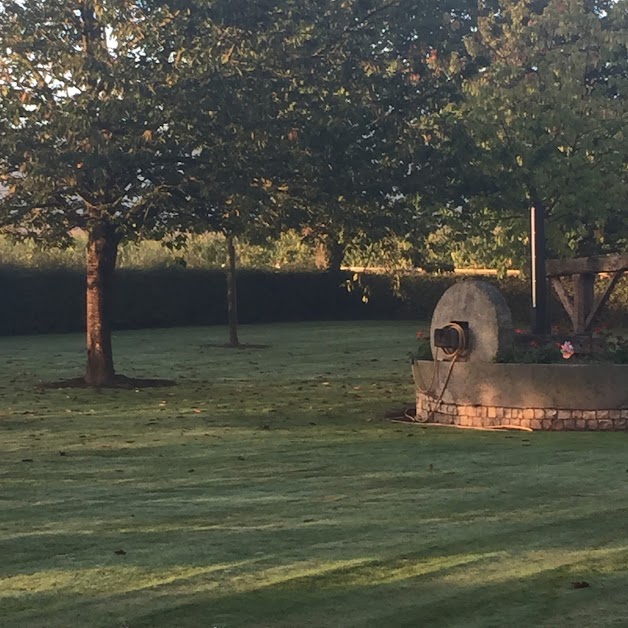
[[490, 322]]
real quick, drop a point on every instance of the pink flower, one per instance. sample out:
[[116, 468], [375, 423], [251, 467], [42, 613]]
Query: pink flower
[[419, 334], [567, 349], [534, 343], [518, 331]]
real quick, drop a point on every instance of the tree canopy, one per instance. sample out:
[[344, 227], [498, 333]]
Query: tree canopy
[[547, 109]]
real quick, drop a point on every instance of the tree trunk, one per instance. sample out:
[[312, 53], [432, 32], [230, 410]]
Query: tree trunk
[[102, 251], [329, 254], [320, 256], [336, 254], [232, 293]]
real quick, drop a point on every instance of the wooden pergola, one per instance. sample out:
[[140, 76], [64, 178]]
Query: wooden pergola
[[584, 306]]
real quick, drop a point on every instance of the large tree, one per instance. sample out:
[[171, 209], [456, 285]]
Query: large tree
[[546, 105], [82, 136], [292, 115], [368, 119]]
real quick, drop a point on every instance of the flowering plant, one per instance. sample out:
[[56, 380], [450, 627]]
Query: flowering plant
[[567, 350], [531, 350], [601, 346]]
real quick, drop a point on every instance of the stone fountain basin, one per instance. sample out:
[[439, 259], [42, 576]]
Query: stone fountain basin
[[538, 396]]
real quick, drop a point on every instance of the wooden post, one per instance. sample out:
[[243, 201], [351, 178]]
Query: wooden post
[[584, 296]]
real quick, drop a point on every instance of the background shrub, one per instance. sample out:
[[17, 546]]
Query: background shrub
[[53, 300]]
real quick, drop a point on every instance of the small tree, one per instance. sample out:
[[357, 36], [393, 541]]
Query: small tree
[[82, 137], [225, 121]]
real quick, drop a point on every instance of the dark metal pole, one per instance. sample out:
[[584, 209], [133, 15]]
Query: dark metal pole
[[540, 318]]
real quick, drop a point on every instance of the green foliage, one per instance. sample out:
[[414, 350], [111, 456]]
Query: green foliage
[[534, 351], [225, 114], [614, 347], [290, 250], [366, 133], [81, 137], [352, 123], [545, 103], [500, 245], [207, 250], [606, 347]]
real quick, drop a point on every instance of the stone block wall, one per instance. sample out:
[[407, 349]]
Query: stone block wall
[[556, 419]]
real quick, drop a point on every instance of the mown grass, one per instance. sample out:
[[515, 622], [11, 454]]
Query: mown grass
[[265, 490]]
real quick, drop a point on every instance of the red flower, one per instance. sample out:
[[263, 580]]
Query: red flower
[[419, 334], [534, 343]]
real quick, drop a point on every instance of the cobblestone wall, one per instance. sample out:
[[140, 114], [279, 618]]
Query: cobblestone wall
[[557, 419]]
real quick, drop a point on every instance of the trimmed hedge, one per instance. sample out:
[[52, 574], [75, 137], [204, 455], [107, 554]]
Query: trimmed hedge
[[50, 301]]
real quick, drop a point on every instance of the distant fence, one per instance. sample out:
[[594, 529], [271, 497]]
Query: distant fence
[[49, 301]]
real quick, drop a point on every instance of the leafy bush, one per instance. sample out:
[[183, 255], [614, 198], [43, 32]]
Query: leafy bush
[[53, 300], [603, 346]]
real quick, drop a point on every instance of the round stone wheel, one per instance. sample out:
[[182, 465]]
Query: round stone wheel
[[483, 306]]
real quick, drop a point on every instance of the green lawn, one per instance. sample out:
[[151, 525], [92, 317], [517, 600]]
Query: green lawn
[[265, 490]]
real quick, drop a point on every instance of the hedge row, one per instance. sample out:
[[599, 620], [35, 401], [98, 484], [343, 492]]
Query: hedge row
[[53, 300]]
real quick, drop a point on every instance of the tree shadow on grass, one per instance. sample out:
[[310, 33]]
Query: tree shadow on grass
[[119, 381], [395, 547], [409, 589], [461, 585], [228, 345]]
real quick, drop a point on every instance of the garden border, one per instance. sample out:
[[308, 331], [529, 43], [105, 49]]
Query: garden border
[[537, 396]]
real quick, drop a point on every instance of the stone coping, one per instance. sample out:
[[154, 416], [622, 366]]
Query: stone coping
[[578, 387]]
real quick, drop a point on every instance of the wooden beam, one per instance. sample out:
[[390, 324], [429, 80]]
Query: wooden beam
[[601, 302], [587, 265], [565, 299]]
